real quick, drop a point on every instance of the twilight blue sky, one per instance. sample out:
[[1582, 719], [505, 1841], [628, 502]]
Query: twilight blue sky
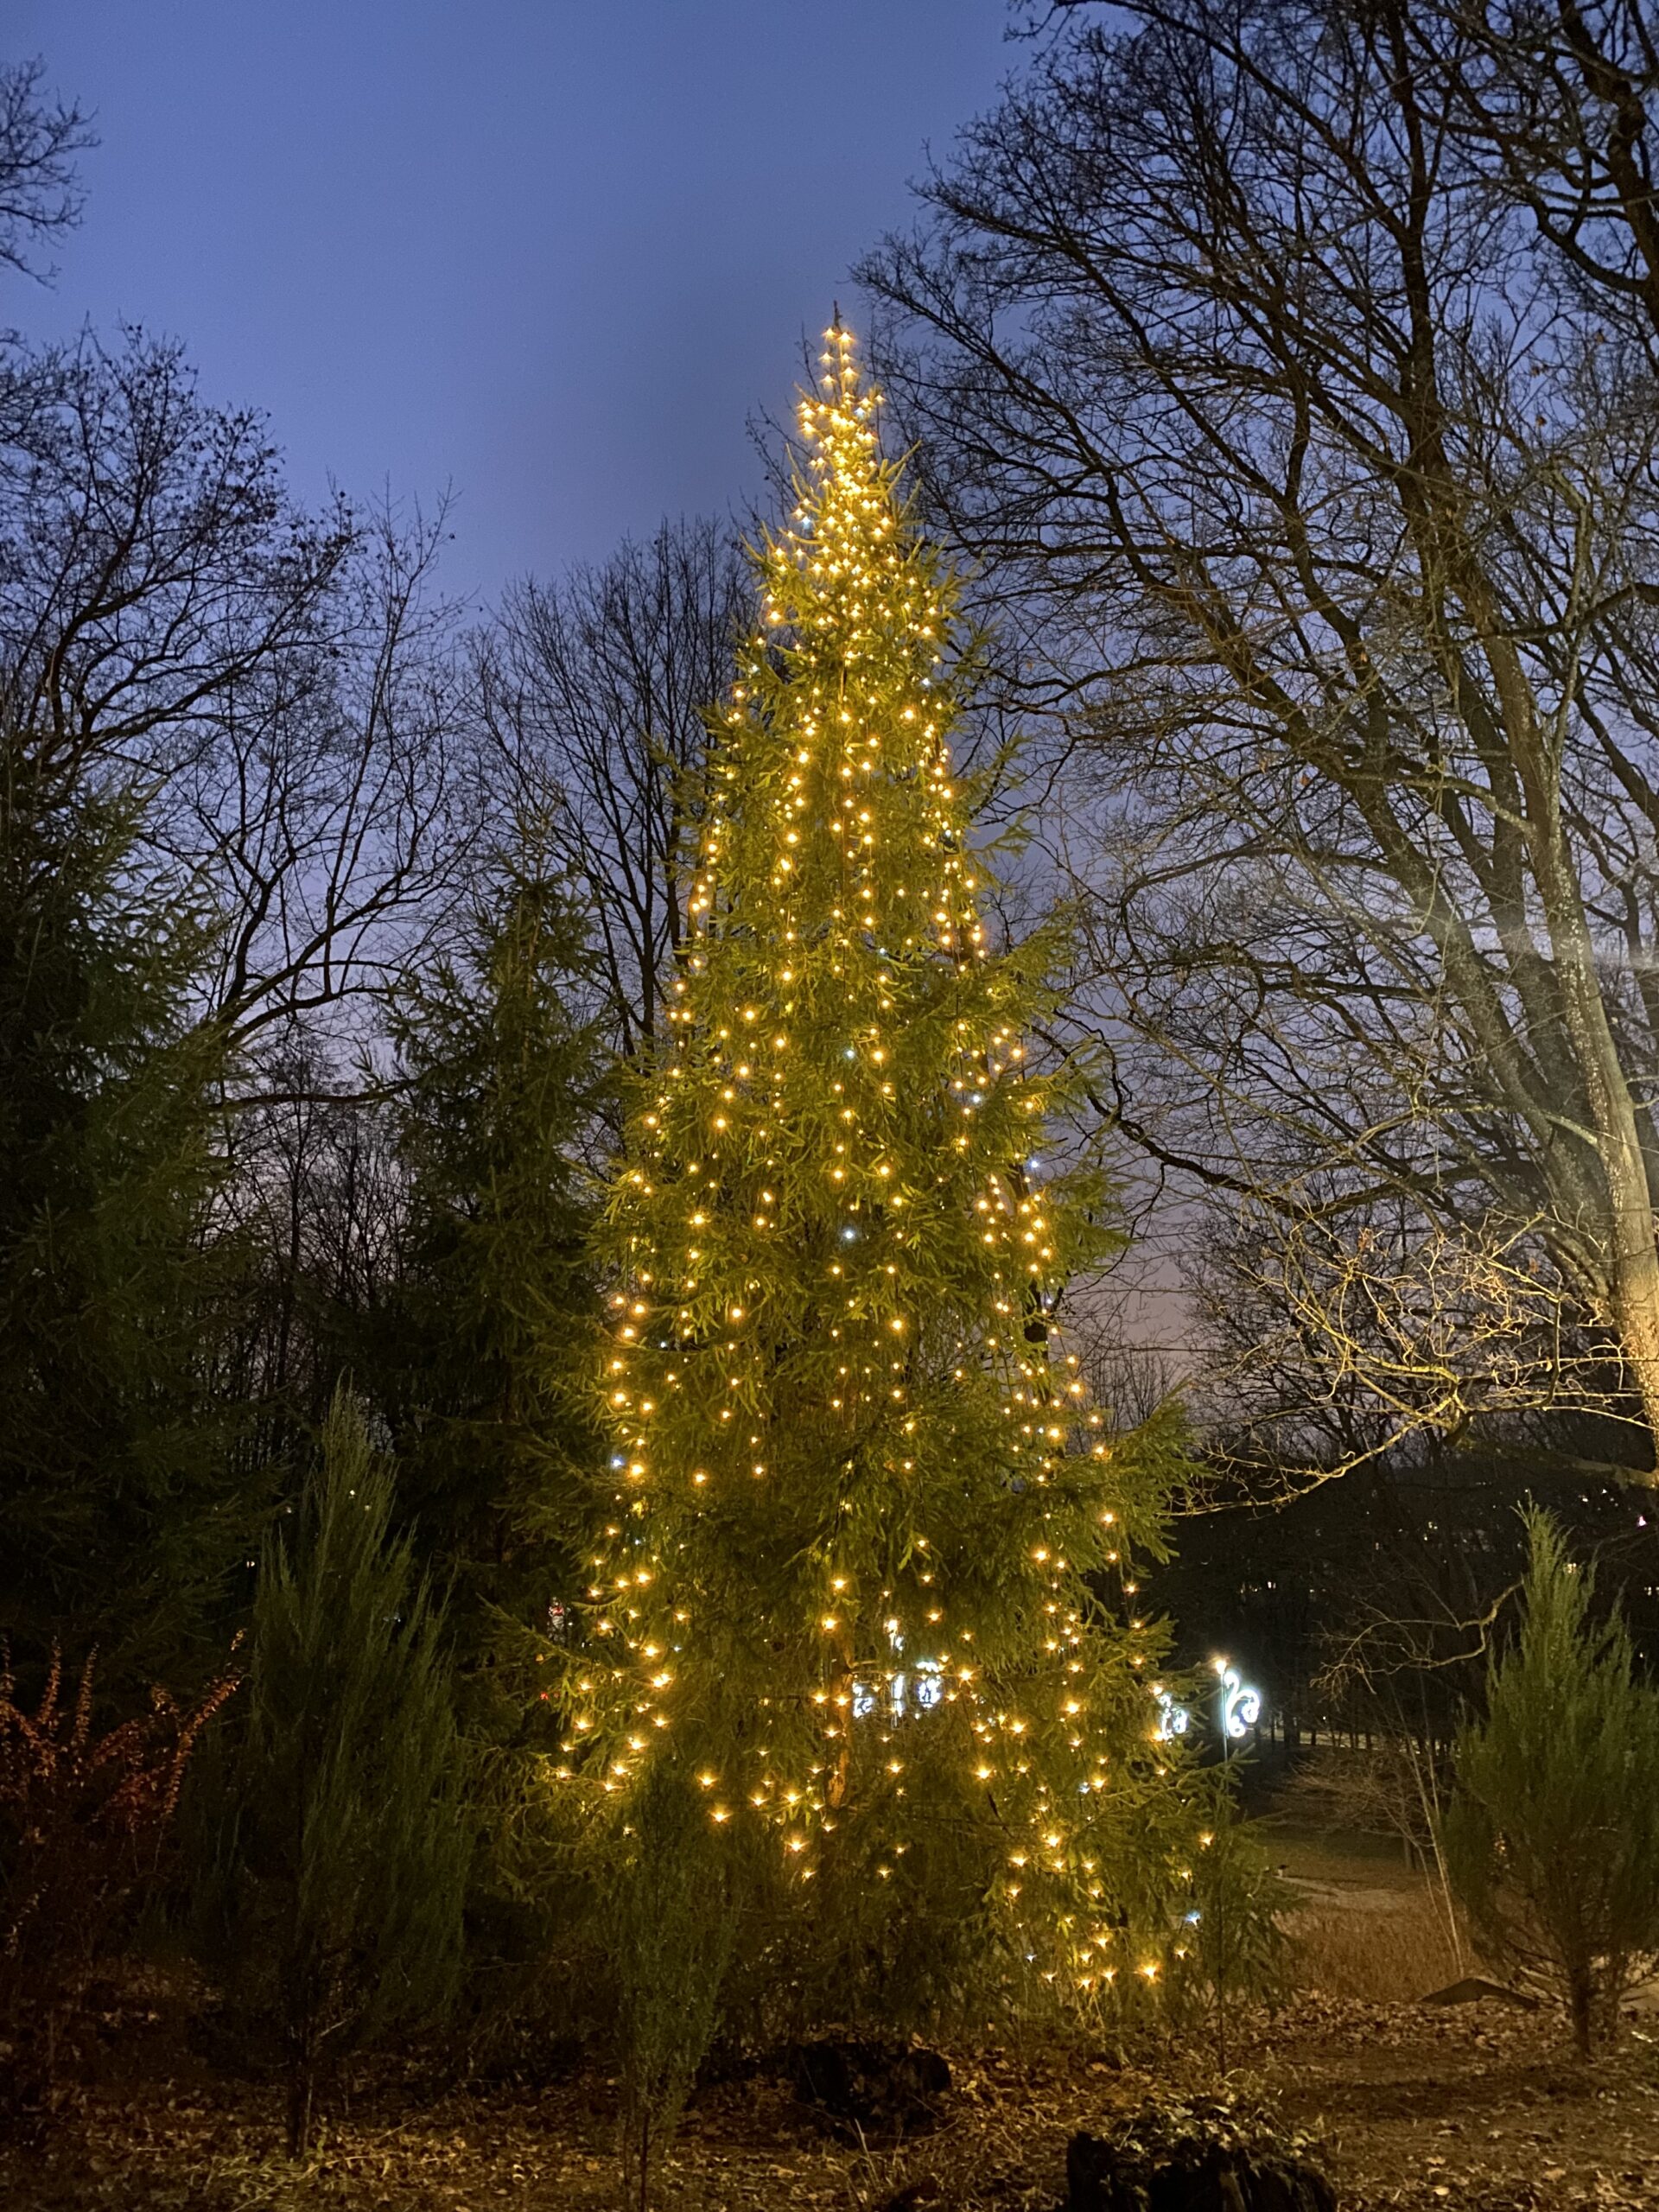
[[549, 253]]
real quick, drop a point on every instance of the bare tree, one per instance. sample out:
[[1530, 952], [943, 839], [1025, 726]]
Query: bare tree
[[280, 693], [319, 1199], [335, 799], [1562, 96], [39, 137], [596, 688], [1319, 493]]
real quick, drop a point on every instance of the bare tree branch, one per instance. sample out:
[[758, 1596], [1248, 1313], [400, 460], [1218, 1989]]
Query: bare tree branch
[[39, 137]]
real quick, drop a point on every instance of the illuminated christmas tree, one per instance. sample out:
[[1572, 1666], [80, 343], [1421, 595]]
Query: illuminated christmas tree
[[865, 1580]]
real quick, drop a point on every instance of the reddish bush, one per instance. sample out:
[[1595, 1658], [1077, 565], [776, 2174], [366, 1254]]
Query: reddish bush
[[83, 1817]]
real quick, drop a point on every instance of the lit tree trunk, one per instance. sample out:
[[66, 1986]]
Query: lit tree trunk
[[1632, 1256], [1633, 1260]]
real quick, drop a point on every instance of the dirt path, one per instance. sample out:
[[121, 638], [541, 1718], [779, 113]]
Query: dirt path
[[1473, 2106]]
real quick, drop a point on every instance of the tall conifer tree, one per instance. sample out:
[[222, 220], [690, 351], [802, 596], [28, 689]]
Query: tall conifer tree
[[482, 1358], [122, 1521], [850, 1583]]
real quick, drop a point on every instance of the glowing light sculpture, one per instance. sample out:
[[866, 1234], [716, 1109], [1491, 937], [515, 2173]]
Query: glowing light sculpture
[[1241, 1703], [1173, 1720]]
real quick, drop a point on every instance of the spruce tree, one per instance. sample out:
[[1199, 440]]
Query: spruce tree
[[859, 1584], [121, 1523], [1550, 1838], [481, 1357], [334, 1910], [485, 1349]]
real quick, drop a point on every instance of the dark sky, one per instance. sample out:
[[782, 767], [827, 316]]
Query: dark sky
[[549, 252]]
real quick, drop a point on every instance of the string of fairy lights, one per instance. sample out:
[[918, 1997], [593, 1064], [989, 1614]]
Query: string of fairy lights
[[861, 1490]]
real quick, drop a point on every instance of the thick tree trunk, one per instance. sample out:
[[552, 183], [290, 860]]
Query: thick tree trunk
[[1632, 1256], [1636, 1269]]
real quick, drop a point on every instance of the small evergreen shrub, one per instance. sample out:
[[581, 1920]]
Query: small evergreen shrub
[[343, 1851], [670, 1921], [1551, 1838]]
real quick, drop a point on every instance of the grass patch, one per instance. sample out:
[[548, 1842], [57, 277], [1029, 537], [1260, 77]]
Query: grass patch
[[1396, 1953]]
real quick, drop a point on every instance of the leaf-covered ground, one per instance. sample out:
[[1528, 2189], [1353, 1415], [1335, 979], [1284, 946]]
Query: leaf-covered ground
[[1421, 2106]]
